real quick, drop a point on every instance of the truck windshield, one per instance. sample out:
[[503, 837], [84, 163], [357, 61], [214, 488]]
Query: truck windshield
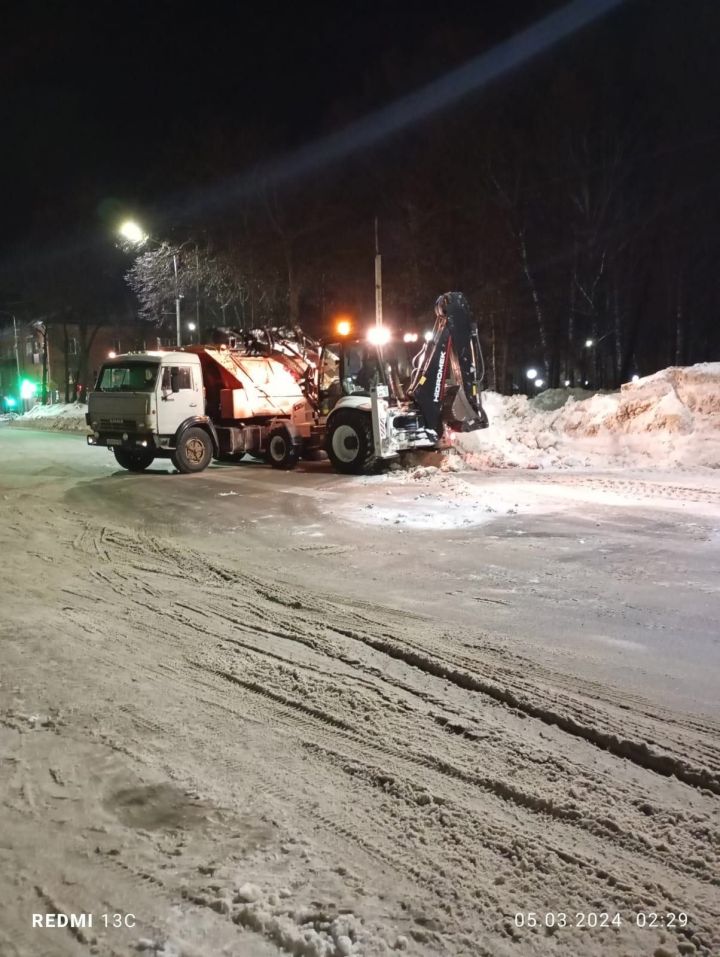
[[133, 377]]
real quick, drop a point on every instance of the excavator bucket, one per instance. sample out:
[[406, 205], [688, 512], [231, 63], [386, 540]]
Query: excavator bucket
[[459, 415], [454, 345]]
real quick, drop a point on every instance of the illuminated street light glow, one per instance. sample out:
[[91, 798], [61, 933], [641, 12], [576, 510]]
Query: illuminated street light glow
[[134, 233], [378, 335], [27, 389], [111, 354], [566, 383], [343, 327], [539, 383], [427, 336], [192, 326], [531, 373], [589, 343], [635, 378]]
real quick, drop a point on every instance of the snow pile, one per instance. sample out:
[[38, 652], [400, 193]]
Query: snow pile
[[670, 418], [63, 417], [552, 399]]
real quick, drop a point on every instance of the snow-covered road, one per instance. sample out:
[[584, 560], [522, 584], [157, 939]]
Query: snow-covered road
[[301, 713]]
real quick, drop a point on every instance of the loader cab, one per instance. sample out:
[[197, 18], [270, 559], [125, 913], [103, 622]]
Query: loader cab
[[355, 366]]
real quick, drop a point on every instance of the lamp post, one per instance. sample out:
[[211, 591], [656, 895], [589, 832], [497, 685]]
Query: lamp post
[[178, 324], [378, 280], [593, 359], [134, 234]]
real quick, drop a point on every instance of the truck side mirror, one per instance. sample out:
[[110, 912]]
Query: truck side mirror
[[174, 380]]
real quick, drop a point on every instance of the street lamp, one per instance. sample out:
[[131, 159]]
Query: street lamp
[[133, 233], [589, 343], [531, 373]]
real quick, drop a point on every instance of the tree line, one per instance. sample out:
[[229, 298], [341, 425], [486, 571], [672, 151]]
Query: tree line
[[576, 205]]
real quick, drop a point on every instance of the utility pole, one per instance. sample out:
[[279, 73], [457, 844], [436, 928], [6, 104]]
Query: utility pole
[[15, 346], [378, 279], [17, 353], [46, 364], [197, 293], [177, 303], [40, 326]]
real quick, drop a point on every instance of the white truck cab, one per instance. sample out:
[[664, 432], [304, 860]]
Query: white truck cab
[[152, 405]]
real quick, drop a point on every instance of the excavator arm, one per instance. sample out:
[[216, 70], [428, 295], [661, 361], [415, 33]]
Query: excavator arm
[[453, 353]]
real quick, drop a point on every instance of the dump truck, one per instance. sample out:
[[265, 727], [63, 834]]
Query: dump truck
[[363, 400]]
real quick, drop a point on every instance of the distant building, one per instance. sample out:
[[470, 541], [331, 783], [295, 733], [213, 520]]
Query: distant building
[[74, 355]]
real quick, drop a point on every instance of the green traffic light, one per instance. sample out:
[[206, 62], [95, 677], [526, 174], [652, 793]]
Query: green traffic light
[[9, 402], [27, 389]]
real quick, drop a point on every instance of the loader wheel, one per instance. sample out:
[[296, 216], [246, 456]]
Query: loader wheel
[[281, 453], [193, 452], [350, 443], [133, 461]]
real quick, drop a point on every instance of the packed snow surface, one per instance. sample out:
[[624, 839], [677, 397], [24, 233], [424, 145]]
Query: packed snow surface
[[264, 731]]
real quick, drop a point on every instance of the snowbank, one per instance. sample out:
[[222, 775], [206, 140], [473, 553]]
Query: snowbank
[[62, 417], [671, 418], [552, 399], [668, 419]]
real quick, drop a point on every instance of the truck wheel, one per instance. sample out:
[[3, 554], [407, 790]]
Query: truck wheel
[[281, 452], [193, 452], [350, 443], [133, 461]]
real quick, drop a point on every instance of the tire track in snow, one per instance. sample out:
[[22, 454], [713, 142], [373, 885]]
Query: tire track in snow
[[427, 760], [635, 751]]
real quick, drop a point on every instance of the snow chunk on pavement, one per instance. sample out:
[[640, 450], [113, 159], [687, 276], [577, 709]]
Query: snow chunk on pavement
[[248, 894], [428, 497]]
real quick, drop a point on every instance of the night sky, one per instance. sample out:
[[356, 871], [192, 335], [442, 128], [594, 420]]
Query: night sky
[[101, 99], [163, 110]]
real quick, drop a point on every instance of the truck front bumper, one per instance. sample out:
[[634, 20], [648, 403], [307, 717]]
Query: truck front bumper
[[132, 441]]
